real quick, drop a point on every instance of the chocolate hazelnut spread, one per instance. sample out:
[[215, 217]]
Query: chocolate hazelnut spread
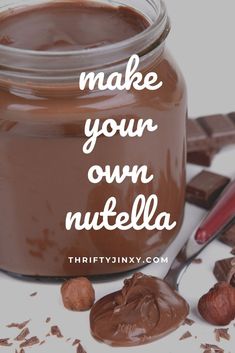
[[43, 170], [144, 310]]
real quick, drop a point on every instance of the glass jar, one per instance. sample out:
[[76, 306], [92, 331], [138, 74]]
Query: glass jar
[[43, 170]]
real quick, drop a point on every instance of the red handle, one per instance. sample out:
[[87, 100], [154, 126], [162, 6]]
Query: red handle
[[219, 217]]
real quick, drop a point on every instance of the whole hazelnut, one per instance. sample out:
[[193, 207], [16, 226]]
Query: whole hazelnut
[[78, 294], [218, 305]]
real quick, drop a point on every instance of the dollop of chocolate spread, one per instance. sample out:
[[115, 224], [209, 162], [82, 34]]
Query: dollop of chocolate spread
[[143, 311]]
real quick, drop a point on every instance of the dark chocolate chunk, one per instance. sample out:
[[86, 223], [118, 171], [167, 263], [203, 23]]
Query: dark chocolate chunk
[[224, 270], [204, 189], [228, 237], [203, 158], [220, 128]]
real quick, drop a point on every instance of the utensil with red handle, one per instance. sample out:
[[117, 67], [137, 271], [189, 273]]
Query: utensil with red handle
[[222, 214]]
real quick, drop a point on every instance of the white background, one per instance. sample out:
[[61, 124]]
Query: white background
[[202, 41]]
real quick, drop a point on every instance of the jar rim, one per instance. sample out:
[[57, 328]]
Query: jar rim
[[157, 26], [20, 64]]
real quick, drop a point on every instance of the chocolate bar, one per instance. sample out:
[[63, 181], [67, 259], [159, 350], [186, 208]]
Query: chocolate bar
[[207, 135], [224, 270], [228, 237], [204, 189]]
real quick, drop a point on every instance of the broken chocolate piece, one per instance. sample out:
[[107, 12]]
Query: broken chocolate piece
[[186, 335], [204, 189], [224, 270], [30, 342], [23, 334], [228, 237], [55, 331], [221, 333]]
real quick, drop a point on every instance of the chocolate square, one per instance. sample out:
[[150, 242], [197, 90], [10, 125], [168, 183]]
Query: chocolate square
[[204, 189], [220, 128]]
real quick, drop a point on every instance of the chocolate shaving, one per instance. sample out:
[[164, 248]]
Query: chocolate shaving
[[33, 294], [186, 335], [22, 335], [211, 347], [4, 342], [197, 261], [221, 333], [76, 341], [55, 331], [48, 320], [188, 322], [30, 342], [80, 349], [19, 326], [42, 342]]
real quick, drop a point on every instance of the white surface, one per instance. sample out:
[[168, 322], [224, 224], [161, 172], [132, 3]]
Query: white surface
[[202, 40], [16, 305]]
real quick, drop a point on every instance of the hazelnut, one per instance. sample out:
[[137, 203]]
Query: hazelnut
[[218, 305], [78, 294]]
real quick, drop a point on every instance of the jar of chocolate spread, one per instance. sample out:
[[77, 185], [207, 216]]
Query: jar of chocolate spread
[[44, 47]]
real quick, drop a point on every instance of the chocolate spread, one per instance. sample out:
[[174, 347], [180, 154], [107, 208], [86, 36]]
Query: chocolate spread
[[144, 310], [43, 170], [66, 26]]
